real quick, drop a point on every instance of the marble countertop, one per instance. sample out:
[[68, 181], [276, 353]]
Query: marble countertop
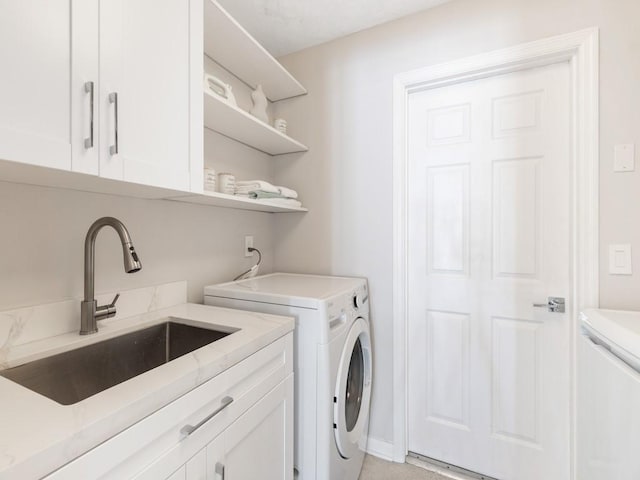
[[38, 435]]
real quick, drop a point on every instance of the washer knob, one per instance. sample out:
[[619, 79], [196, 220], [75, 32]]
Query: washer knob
[[357, 301]]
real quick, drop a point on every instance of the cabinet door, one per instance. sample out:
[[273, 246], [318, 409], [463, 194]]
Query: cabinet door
[[260, 443], [215, 459], [35, 54], [145, 91], [196, 467]]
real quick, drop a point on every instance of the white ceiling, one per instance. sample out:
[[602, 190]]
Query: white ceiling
[[286, 26]]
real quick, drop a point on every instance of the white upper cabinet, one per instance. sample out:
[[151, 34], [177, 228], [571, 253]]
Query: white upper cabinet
[[35, 58], [108, 88], [145, 92]]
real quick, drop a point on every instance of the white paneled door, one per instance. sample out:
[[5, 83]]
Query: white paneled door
[[489, 236]]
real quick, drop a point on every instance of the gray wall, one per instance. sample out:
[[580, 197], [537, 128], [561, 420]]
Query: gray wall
[[346, 120]]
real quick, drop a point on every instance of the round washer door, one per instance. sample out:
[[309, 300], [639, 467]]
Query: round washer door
[[353, 391]]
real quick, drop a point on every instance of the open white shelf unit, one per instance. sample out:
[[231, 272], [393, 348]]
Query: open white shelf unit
[[230, 45], [216, 199], [235, 123]]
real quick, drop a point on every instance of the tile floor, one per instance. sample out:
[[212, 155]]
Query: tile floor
[[377, 469]]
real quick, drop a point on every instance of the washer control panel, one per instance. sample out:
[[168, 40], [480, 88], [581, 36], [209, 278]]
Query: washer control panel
[[351, 304]]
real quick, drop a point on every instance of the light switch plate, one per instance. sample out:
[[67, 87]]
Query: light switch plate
[[620, 260], [624, 158]]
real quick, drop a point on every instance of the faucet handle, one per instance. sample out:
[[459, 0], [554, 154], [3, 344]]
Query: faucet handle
[[113, 302], [107, 311]]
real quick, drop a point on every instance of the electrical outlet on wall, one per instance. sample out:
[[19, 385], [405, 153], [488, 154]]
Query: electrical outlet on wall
[[248, 243]]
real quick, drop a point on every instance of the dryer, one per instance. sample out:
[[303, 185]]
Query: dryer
[[332, 364]]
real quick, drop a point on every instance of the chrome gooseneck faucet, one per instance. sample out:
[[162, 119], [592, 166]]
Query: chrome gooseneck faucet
[[90, 312]]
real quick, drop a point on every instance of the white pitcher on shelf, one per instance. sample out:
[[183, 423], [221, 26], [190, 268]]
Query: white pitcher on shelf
[[260, 103]]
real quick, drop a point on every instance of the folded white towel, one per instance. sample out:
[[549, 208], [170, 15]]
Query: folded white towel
[[281, 202], [247, 186], [287, 192]]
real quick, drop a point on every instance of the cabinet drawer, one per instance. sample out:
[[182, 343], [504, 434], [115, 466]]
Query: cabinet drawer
[[160, 433]]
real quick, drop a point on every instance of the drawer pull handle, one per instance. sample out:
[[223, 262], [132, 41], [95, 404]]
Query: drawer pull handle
[[189, 429]]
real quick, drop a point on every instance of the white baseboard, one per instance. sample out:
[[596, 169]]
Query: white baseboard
[[380, 448]]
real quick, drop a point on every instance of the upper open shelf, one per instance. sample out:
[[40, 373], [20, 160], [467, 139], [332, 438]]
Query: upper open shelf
[[230, 45], [235, 123]]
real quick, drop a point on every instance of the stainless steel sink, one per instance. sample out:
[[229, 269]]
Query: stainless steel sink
[[72, 376]]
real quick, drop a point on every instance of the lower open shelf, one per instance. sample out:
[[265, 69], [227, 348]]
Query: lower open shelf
[[232, 201]]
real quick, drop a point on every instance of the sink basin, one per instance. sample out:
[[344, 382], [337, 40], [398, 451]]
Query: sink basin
[[72, 376]]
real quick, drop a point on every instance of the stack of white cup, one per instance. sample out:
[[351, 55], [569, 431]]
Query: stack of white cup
[[210, 179], [226, 183]]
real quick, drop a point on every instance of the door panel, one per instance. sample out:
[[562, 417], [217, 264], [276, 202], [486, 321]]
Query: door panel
[[515, 407], [35, 54], [447, 392], [489, 236], [448, 215]]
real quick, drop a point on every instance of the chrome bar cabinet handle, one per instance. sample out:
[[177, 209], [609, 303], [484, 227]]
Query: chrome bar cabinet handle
[[189, 429], [113, 98], [89, 88]]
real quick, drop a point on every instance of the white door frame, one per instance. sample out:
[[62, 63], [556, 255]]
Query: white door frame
[[580, 49]]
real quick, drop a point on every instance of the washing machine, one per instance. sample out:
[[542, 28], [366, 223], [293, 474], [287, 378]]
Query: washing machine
[[332, 364]]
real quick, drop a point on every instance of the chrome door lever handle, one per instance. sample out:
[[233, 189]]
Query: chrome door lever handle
[[553, 305]]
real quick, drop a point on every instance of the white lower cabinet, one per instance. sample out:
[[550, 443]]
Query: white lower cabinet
[[236, 426], [256, 445]]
